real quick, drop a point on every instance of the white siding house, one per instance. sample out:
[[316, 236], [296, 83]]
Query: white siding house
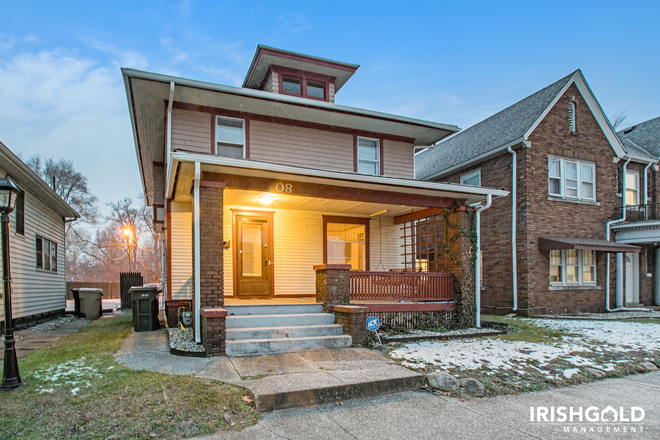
[[36, 243]]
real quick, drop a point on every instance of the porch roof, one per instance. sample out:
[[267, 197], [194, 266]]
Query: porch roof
[[262, 176], [555, 243]]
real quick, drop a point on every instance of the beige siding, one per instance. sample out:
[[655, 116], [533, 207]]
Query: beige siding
[[272, 83], [398, 159], [301, 146], [181, 272], [385, 236], [331, 92], [191, 131], [36, 291]]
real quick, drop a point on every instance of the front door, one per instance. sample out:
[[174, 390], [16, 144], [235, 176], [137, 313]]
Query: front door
[[253, 255]]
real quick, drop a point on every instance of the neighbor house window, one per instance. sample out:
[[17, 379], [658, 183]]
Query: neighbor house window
[[571, 117], [572, 267], [472, 178], [229, 137], [346, 241], [19, 211], [46, 254], [368, 156], [571, 179], [632, 188]]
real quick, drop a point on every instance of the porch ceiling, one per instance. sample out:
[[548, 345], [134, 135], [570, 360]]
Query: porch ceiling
[[251, 199]]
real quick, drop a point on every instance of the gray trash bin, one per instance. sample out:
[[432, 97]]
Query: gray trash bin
[[90, 302], [144, 302]]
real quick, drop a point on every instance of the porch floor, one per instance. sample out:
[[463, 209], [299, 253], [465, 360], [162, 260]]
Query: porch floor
[[232, 301]]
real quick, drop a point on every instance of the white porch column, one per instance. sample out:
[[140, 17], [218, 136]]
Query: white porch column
[[657, 275], [635, 276], [619, 279], [198, 322]]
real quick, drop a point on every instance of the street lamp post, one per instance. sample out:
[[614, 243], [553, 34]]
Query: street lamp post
[[129, 235], [11, 378]]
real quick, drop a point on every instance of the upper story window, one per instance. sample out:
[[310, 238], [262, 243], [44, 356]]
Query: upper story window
[[316, 89], [632, 188], [292, 85], [368, 156], [472, 178], [301, 83], [46, 254], [571, 179], [571, 117], [229, 137]]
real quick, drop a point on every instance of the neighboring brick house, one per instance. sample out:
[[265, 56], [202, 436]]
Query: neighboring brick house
[[569, 164], [36, 243], [283, 179]]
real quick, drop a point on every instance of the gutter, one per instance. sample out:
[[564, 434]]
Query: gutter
[[608, 226], [477, 271], [168, 154]]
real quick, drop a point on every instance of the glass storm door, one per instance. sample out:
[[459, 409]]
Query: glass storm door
[[253, 275]]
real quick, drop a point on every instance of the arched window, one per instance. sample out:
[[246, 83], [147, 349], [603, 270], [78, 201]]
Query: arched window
[[571, 116]]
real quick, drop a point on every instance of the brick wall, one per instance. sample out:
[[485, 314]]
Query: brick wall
[[214, 331], [211, 247], [332, 284], [353, 320], [538, 216]]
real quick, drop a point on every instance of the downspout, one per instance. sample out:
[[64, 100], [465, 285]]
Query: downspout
[[514, 225], [168, 153], [198, 333], [607, 237], [477, 271]]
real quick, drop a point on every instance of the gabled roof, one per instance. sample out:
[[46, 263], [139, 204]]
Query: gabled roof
[[26, 179], [645, 136], [508, 128]]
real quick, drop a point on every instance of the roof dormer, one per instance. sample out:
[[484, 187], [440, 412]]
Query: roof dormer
[[289, 73]]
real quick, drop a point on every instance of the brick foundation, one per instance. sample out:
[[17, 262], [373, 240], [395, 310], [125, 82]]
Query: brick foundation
[[353, 320], [214, 330], [332, 284]]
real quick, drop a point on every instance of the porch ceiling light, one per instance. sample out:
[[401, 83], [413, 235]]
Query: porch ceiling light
[[266, 199], [379, 212]]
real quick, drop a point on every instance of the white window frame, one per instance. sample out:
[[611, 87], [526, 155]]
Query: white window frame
[[377, 161], [471, 175], [637, 189], [49, 243], [563, 178], [580, 266], [242, 121]]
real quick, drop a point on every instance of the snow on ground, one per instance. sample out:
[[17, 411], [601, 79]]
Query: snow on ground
[[591, 338], [77, 373]]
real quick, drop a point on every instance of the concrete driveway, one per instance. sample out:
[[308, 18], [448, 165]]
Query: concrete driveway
[[418, 415]]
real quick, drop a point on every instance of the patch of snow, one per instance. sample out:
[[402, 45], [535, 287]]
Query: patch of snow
[[75, 391], [570, 372]]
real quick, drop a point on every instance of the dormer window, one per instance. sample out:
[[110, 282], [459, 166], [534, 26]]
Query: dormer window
[[316, 89], [571, 116], [291, 85]]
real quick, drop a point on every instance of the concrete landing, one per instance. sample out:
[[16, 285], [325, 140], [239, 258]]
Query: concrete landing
[[280, 380]]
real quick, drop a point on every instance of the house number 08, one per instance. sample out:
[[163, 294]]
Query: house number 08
[[284, 187]]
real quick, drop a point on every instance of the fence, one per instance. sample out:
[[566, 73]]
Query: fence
[[126, 281], [110, 289], [400, 286]]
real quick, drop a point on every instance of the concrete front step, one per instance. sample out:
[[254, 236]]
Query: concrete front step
[[298, 319], [248, 347], [284, 332], [274, 309]]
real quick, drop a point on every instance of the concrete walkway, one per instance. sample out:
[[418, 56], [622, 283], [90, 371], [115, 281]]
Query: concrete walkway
[[282, 380], [419, 415]]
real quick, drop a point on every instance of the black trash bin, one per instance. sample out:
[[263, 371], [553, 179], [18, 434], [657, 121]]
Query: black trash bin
[[76, 302], [144, 303]]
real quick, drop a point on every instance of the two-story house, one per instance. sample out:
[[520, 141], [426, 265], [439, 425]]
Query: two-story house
[[547, 247], [256, 185], [36, 245]]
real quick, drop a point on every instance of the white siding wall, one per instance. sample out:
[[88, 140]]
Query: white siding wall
[[385, 234], [36, 291], [181, 270]]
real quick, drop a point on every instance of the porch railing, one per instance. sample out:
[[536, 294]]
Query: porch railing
[[400, 286], [639, 213]]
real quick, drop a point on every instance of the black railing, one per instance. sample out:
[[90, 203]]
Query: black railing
[[639, 213]]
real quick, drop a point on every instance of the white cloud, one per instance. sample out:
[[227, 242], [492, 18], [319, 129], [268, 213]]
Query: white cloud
[[123, 57], [178, 54], [59, 104], [6, 45], [31, 38], [290, 24], [186, 7]]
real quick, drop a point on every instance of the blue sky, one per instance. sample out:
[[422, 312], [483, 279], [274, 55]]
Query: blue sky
[[61, 92]]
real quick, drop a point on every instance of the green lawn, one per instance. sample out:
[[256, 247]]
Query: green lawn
[[75, 389]]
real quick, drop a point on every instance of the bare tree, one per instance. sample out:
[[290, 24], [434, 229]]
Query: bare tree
[[619, 119], [70, 184]]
